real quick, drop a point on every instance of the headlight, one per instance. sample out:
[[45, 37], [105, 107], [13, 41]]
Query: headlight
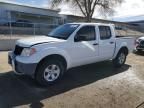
[[138, 41], [28, 51]]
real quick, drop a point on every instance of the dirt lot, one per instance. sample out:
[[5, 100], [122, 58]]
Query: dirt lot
[[93, 86]]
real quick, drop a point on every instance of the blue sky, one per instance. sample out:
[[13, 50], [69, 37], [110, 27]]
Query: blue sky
[[30, 2], [36, 3], [127, 9]]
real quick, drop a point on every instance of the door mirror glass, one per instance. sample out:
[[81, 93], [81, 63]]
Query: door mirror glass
[[79, 38]]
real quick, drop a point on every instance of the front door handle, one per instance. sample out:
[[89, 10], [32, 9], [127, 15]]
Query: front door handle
[[95, 44]]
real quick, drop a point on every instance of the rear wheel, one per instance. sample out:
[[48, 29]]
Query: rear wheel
[[120, 59], [49, 72]]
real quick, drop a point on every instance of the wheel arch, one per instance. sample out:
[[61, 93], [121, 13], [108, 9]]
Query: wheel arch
[[116, 59], [55, 56], [38, 74], [120, 48], [125, 49]]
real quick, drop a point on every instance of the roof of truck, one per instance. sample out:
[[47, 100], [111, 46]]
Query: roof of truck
[[84, 23]]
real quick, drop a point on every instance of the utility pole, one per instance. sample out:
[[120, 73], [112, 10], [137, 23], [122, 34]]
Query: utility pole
[[10, 26]]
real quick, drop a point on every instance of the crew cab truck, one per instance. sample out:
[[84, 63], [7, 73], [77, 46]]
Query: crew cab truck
[[46, 58]]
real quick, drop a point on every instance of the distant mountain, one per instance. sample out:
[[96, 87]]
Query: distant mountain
[[130, 18]]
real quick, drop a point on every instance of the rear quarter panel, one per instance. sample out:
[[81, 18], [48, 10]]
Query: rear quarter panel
[[128, 42]]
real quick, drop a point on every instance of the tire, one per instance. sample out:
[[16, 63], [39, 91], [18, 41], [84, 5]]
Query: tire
[[120, 59], [49, 72]]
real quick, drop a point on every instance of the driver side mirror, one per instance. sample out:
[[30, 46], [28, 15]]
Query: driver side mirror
[[80, 38]]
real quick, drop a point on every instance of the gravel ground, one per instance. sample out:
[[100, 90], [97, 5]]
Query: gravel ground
[[92, 86]]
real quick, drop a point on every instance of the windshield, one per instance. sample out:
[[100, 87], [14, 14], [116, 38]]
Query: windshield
[[64, 31]]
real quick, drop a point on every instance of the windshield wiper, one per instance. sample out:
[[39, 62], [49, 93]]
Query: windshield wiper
[[60, 37]]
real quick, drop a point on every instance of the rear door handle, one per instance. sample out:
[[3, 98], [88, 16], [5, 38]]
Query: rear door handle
[[111, 42], [95, 44]]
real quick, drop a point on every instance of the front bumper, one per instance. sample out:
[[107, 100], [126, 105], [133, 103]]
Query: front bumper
[[139, 47], [21, 68]]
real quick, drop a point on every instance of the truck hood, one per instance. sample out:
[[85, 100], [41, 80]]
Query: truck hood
[[37, 40]]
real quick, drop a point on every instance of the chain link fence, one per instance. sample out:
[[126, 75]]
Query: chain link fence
[[12, 31]]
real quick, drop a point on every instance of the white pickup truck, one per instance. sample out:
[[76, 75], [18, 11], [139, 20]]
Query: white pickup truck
[[46, 58]]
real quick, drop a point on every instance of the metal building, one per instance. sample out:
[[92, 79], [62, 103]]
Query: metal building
[[15, 12]]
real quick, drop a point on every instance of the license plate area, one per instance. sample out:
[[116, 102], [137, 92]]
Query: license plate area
[[9, 60], [13, 65], [12, 61]]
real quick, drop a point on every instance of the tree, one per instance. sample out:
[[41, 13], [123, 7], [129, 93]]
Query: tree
[[88, 7]]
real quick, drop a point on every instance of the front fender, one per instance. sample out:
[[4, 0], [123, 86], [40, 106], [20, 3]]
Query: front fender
[[38, 56], [58, 51]]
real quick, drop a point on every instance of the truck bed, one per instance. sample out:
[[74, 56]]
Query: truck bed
[[125, 40], [126, 37]]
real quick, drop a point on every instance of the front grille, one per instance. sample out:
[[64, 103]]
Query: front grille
[[18, 50]]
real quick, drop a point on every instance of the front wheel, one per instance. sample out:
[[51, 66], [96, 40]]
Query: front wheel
[[49, 72], [120, 59]]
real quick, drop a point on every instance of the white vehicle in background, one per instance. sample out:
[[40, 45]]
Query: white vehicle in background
[[47, 58], [140, 44]]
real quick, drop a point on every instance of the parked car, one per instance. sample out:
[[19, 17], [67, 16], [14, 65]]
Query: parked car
[[140, 44], [47, 58]]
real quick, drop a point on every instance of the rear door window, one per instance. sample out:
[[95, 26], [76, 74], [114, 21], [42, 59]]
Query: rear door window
[[105, 32]]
